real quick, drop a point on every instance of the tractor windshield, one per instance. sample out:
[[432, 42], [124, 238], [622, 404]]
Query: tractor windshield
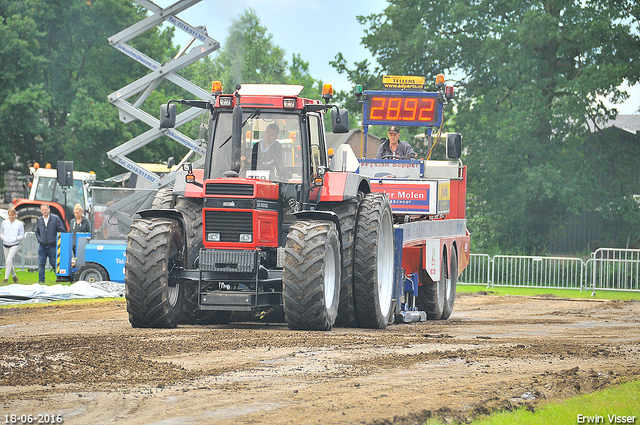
[[270, 147], [47, 189]]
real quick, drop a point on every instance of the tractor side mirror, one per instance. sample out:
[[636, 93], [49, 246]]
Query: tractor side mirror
[[454, 145], [168, 115], [339, 120]]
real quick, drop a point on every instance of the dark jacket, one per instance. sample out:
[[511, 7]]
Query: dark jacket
[[271, 159], [404, 150], [46, 235], [83, 227]]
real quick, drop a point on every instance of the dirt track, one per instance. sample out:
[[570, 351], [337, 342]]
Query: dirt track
[[87, 364]]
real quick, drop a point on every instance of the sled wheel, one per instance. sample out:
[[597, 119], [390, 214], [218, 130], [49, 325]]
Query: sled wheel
[[431, 296], [451, 286]]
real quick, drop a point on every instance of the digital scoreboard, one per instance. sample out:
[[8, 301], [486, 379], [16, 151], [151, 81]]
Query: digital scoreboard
[[402, 108]]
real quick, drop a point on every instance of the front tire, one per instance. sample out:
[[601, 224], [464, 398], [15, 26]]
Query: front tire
[[311, 275], [374, 262], [154, 252]]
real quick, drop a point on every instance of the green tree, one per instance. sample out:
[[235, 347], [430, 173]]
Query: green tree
[[248, 55], [528, 75], [56, 70]]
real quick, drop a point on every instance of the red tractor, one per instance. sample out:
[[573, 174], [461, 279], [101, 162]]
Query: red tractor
[[263, 229]]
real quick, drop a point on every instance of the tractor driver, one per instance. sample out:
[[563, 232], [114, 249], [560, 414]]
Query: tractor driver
[[267, 154], [394, 147]]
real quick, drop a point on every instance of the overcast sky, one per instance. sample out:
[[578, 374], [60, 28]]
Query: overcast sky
[[314, 29]]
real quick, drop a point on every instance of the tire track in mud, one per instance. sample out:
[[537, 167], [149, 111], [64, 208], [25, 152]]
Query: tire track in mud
[[493, 354]]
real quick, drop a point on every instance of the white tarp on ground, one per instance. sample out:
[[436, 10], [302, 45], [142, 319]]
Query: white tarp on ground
[[36, 293]]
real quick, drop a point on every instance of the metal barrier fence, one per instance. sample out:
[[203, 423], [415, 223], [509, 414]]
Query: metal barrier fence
[[538, 272], [607, 269], [27, 256], [478, 272], [616, 269]]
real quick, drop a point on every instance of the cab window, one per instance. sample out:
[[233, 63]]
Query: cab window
[[315, 136]]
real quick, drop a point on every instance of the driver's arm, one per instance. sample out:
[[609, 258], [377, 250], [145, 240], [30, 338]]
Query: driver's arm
[[410, 152]]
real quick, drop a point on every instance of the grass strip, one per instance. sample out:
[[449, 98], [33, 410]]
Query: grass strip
[[620, 404], [544, 292]]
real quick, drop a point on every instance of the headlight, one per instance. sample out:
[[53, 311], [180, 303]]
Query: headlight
[[246, 237], [225, 101], [213, 237]]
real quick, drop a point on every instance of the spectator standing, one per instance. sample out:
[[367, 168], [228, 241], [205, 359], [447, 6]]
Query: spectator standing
[[80, 224], [47, 228], [11, 232]]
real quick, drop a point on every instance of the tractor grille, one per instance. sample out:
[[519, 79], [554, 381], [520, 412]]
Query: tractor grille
[[218, 260], [230, 224], [228, 189]]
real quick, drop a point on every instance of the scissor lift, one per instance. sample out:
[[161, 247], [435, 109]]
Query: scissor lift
[[129, 105]]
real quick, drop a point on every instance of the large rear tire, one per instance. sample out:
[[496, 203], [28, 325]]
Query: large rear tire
[[29, 216], [374, 262], [451, 286], [347, 212], [154, 251], [311, 275], [431, 297], [164, 199], [191, 314], [191, 209]]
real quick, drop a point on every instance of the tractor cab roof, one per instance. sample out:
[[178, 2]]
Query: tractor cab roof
[[266, 96]]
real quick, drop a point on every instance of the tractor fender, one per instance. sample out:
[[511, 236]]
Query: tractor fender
[[340, 186], [171, 214], [182, 188], [55, 207], [321, 215]]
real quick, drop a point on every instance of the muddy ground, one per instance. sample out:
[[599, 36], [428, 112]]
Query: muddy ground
[[88, 365]]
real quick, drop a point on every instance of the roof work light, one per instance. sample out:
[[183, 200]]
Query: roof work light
[[327, 92]]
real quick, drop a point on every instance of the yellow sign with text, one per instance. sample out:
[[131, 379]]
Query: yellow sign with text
[[444, 197], [403, 82]]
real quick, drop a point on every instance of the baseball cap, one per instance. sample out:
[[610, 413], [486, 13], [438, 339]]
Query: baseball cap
[[394, 129]]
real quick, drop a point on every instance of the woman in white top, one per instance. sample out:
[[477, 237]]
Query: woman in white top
[[11, 232]]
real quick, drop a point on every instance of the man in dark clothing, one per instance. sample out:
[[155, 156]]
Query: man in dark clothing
[[47, 228], [268, 155], [395, 147]]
